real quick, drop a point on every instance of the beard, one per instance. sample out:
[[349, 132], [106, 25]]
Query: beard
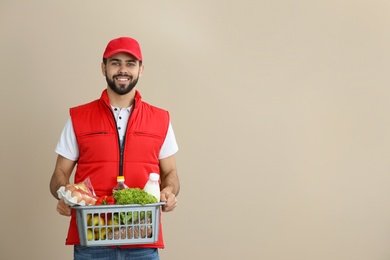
[[121, 89]]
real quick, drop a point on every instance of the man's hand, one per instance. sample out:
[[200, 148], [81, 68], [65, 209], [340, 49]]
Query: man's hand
[[170, 184], [171, 202], [63, 209]]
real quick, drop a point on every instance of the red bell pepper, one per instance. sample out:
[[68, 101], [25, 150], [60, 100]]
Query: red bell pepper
[[105, 200]]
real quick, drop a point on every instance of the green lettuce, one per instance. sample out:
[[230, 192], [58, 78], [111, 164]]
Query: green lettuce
[[133, 196]]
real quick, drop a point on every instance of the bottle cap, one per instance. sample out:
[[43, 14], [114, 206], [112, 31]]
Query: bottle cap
[[154, 176], [120, 178]]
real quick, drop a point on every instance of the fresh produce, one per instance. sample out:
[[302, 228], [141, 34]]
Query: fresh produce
[[130, 224], [100, 233], [89, 234], [112, 222], [132, 217], [105, 200], [133, 196], [96, 220]]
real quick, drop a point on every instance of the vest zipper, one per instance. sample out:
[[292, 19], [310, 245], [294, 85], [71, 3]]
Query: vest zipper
[[121, 158], [120, 172], [121, 146]]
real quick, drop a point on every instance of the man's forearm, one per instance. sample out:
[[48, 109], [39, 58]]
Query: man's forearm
[[61, 174], [57, 180], [171, 181]]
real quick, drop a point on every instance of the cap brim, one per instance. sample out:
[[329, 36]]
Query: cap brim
[[109, 54]]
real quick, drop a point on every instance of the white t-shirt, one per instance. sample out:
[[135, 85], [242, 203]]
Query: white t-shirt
[[67, 145]]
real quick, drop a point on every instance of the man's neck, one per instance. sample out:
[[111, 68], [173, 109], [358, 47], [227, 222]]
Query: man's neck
[[121, 101]]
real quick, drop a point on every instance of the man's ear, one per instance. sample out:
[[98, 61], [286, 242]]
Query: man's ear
[[141, 70], [104, 69]]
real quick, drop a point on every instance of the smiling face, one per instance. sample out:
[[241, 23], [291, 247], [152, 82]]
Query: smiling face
[[122, 71]]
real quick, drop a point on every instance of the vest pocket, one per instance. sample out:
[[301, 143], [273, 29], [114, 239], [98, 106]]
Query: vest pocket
[[94, 133], [148, 134]]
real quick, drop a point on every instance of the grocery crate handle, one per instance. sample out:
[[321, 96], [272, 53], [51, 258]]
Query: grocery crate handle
[[117, 205]]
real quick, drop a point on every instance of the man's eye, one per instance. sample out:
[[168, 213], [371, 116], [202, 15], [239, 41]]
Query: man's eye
[[114, 63], [131, 64]]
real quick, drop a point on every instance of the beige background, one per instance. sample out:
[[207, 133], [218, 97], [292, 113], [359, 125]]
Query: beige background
[[280, 109]]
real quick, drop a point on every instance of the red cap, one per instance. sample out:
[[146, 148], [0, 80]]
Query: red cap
[[123, 44]]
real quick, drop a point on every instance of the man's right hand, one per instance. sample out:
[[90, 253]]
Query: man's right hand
[[63, 209]]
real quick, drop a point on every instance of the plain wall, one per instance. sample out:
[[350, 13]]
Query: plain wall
[[280, 109]]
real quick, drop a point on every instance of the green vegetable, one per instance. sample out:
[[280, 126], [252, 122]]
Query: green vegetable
[[131, 217], [126, 218], [133, 196]]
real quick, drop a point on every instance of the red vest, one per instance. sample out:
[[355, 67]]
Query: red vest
[[101, 158]]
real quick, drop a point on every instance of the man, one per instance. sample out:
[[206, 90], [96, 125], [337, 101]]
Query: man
[[117, 134]]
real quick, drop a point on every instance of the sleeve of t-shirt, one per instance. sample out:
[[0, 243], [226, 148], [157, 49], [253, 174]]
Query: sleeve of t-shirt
[[67, 144], [169, 146]]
